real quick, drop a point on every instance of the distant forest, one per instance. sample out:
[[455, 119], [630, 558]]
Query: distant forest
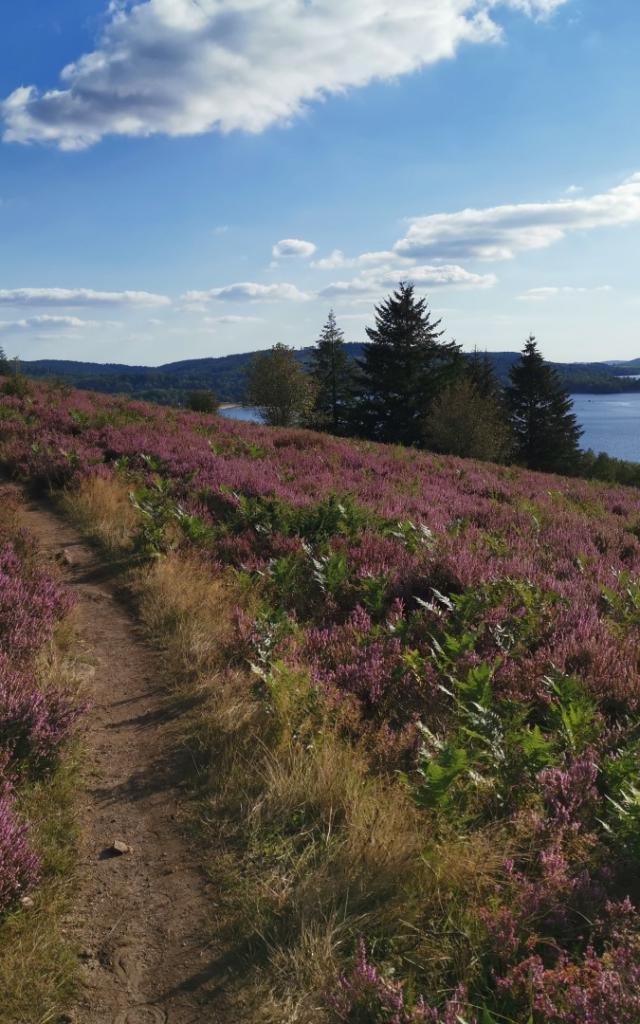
[[172, 383]]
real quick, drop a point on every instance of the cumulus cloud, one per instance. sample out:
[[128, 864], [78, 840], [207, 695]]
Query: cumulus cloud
[[46, 323], [248, 291], [78, 297], [293, 248], [182, 67], [371, 282], [552, 292], [335, 260], [501, 232]]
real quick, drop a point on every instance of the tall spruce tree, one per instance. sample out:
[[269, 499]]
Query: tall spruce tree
[[405, 366], [4, 363], [332, 372], [481, 373], [546, 432]]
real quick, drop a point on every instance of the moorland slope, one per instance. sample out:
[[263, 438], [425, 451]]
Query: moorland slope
[[416, 738]]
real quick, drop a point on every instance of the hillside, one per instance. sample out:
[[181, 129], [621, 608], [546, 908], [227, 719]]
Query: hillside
[[170, 383], [410, 686]]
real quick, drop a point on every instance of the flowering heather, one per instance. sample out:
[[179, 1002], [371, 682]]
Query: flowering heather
[[19, 865], [34, 721], [31, 605], [476, 626]]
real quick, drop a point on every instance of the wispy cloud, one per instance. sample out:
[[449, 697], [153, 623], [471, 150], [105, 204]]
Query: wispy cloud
[[553, 292], [337, 260], [75, 297], [215, 321], [248, 291], [179, 67], [501, 232], [372, 282], [50, 323]]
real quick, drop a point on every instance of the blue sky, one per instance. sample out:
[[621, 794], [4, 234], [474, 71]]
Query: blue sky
[[183, 178]]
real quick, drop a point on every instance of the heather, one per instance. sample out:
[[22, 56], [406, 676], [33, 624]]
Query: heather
[[36, 715], [465, 634]]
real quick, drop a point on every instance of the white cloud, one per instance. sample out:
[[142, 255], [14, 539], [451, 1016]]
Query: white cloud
[[181, 67], [215, 320], [536, 8], [542, 294], [501, 232], [78, 297], [293, 248], [248, 291], [332, 262], [46, 323], [372, 282], [337, 259]]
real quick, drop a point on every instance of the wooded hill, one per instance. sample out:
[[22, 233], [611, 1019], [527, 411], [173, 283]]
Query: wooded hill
[[170, 383]]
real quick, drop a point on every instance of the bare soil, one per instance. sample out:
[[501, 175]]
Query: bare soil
[[143, 920]]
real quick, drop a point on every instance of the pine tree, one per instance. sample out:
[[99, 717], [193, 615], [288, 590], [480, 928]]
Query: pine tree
[[545, 429], [4, 363], [405, 366], [332, 373]]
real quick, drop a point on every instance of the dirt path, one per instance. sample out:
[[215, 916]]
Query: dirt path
[[141, 918]]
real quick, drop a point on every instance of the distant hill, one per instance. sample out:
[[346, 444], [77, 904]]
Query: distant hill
[[171, 383]]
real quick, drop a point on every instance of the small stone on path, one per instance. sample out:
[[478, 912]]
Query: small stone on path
[[118, 848]]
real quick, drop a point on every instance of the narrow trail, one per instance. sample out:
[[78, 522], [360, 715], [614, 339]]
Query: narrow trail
[[141, 920]]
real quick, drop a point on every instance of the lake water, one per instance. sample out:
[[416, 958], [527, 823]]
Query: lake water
[[611, 423], [241, 412]]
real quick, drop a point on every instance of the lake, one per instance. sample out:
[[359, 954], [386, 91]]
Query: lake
[[611, 423], [241, 412]]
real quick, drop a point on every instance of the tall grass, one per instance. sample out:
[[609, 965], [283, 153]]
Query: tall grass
[[309, 848]]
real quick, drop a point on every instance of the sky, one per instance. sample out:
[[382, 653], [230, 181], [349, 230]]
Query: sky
[[188, 178]]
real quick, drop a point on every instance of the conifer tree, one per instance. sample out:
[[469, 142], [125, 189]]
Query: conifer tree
[[545, 429], [405, 366], [332, 373], [481, 373], [4, 363]]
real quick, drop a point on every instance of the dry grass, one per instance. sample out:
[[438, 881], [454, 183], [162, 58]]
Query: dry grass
[[323, 850], [307, 848], [189, 612], [102, 509]]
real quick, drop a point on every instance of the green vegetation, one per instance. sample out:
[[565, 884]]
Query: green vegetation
[[333, 377], [403, 369], [545, 430], [202, 401], [38, 779], [465, 422], [226, 375], [410, 688], [278, 386]]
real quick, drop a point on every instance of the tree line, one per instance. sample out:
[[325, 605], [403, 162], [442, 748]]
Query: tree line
[[413, 387]]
